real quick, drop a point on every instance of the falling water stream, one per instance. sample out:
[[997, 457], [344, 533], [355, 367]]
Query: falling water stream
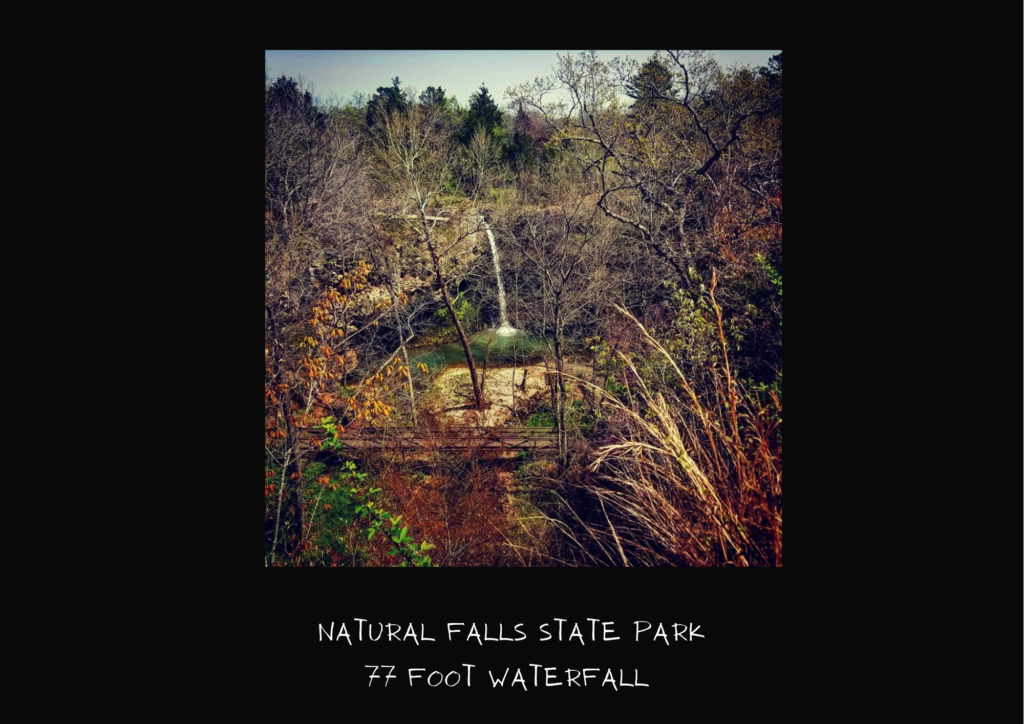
[[504, 328], [501, 345]]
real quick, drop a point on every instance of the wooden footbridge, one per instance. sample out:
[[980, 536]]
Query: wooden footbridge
[[455, 439]]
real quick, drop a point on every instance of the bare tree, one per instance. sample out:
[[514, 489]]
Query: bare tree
[[387, 257], [652, 162], [415, 160], [315, 188], [561, 255], [482, 154]]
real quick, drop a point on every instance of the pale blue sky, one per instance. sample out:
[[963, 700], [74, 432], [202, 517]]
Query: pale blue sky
[[459, 72]]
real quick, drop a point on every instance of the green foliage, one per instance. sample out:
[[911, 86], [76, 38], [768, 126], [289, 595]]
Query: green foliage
[[654, 79], [694, 337], [774, 275], [519, 152], [331, 428], [772, 73], [542, 416], [500, 196], [464, 309], [345, 511], [768, 298], [615, 387], [433, 97], [579, 417], [381, 521], [451, 193], [333, 493], [483, 113], [606, 364], [331, 510], [284, 94], [384, 101]]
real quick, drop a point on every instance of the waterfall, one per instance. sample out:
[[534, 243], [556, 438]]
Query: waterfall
[[504, 328]]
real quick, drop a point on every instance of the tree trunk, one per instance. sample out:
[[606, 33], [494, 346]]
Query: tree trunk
[[560, 388], [550, 379], [458, 325]]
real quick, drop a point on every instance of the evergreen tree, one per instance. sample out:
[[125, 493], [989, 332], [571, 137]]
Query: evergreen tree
[[433, 97], [654, 79], [772, 73], [483, 113], [385, 100], [519, 151], [284, 95]]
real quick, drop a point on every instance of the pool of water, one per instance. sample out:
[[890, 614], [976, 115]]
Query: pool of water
[[502, 350]]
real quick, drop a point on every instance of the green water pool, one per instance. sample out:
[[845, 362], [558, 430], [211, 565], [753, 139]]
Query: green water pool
[[502, 350]]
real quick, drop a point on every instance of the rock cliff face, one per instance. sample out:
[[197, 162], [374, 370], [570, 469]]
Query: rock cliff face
[[460, 239]]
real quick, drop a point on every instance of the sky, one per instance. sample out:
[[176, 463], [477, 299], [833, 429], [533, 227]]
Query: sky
[[460, 72]]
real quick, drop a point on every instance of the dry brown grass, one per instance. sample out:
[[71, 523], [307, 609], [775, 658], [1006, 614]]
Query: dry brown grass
[[693, 476]]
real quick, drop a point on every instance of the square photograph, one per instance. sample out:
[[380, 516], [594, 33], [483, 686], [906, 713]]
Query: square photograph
[[523, 309]]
